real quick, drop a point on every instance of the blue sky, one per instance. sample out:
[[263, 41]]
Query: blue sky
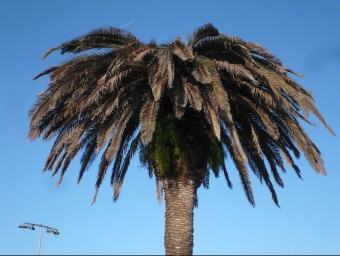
[[303, 34]]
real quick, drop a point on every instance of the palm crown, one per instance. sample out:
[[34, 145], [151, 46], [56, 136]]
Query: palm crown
[[183, 106]]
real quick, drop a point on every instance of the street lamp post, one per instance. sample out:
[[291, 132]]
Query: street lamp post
[[32, 227]]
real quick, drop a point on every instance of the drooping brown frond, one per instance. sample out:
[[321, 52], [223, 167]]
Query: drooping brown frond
[[157, 87], [148, 115], [312, 107], [194, 95], [201, 72], [226, 175], [104, 134], [262, 116], [255, 141], [165, 65], [119, 176], [179, 97], [104, 164], [239, 163], [118, 133], [181, 50], [213, 119], [88, 156]]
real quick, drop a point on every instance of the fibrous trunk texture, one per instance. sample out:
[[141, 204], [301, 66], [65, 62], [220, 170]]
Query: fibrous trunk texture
[[179, 199]]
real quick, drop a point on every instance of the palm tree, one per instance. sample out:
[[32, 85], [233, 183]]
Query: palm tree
[[183, 106]]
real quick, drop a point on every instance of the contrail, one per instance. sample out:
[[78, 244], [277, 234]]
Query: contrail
[[127, 24]]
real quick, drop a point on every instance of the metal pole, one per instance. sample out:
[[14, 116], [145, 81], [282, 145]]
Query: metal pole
[[39, 245]]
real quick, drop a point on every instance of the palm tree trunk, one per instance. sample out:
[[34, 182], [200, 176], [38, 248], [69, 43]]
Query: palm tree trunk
[[180, 200]]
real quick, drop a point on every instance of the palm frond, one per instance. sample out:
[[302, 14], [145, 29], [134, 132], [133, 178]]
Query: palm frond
[[213, 119], [148, 115], [117, 136], [45, 72], [139, 55], [165, 65], [217, 92], [239, 163], [88, 156], [110, 37], [104, 164], [235, 70], [259, 168], [207, 30], [260, 114], [179, 98], [226, 175], [194, 95], [201, 72], [182, 51], [119, 177]]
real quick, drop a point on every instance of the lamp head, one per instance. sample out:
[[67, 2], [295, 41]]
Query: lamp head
[[54, 231]]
